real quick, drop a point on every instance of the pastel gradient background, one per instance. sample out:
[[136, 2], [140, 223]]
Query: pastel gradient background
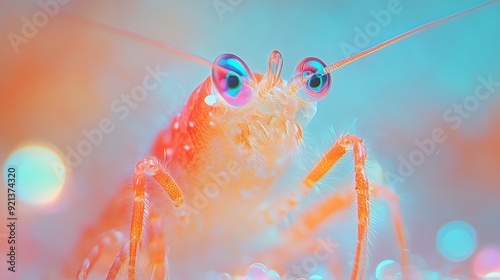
[[65, 78]]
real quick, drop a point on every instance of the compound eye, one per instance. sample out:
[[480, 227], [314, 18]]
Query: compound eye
[[318, 85], [233, 80]]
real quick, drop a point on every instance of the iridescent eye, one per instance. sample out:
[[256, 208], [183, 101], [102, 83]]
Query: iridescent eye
[[233, 80], [318, 85]]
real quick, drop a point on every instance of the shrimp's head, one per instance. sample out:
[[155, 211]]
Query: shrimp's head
[[264, 115]]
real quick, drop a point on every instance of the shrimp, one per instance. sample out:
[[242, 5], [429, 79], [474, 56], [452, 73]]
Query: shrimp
[[240, 130]]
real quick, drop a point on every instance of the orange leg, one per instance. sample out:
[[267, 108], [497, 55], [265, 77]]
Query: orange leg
[[149, 166], [311, 219], [339, 149], [118, 262], [389, 195], [111, 238], [157, 247]]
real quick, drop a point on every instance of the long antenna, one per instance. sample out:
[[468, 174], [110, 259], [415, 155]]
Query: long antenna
[[295, 82], [137, 37], [354, 57]]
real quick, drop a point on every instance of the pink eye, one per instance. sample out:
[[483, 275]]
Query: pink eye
[[318, 85], [233, 80]]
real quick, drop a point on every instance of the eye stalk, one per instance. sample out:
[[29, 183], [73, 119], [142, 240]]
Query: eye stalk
[[233, 80], [318, 83]]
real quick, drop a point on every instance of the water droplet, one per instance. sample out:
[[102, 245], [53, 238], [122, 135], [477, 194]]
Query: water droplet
[[256, 271], [225, 276], [456, 241], [388, 270], [273, 275]]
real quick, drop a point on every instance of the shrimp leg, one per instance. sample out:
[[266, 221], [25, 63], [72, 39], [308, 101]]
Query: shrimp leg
[[310, 219], [111, 238], [152, 167], [339, 149], [157, 246], [118, 262]]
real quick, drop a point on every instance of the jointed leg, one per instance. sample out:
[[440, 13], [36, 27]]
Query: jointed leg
[[339, 149], [156, 251], [118, 262], [111, 238], [149, 166], [312, 218], [157, 247], [389, 195]]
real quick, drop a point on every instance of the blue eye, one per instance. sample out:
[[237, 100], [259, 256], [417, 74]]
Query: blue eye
[[234, 83], [233, 80], [316, 82], [318, 85]]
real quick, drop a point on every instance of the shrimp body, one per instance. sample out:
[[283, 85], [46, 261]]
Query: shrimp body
[[216, 153], [201, 135]]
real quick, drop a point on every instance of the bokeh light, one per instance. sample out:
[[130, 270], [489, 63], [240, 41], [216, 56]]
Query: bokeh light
[[224, 276], [486, 263], [256, 271], [388, 270], [273, 275], [492, 276], [431, 275], [40, 174], [456, 241]]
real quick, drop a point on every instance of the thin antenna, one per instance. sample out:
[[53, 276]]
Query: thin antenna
[[139, 38], [352, 58]]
